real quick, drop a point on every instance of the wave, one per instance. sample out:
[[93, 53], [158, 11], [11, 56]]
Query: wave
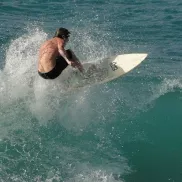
[[49, 134], [40, 123]]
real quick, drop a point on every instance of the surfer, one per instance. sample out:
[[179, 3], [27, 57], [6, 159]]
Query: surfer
[[53, 58]]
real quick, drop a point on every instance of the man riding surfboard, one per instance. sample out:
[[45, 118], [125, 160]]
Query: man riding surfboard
[[53, 58]]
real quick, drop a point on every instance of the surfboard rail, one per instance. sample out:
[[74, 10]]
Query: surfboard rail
[[103, 71]]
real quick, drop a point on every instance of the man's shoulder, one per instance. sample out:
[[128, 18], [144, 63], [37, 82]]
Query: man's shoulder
[[48, 42]]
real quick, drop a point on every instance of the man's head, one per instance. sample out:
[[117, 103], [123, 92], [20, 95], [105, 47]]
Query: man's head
[[62, 33]]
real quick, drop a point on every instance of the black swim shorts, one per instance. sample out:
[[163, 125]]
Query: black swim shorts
[[61, 64]]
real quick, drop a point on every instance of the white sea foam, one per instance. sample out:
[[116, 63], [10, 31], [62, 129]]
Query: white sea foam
[[25, 96], [22, 90], [166, 86]]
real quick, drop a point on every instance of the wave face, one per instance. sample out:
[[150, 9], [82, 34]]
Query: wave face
[[124, 130]]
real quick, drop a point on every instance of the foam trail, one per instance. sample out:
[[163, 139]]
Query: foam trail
[[21, 62], [96, 176], [20, 81], [16, 80], [29, 102]]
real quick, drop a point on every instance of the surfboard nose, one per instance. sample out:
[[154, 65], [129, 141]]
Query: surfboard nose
[[143, 56], [129, 61]]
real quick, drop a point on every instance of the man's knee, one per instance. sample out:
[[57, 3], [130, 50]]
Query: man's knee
[[72, 55], [69, 53]]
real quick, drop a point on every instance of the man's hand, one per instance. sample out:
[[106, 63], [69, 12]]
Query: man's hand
[[76, 64]]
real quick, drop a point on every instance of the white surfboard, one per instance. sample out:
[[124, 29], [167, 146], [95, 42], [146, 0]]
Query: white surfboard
[[103, 71]]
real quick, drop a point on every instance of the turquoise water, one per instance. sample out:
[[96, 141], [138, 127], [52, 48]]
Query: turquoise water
[[126, 130]]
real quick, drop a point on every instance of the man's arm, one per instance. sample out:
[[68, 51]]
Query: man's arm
[[62, 52], [74, 62]]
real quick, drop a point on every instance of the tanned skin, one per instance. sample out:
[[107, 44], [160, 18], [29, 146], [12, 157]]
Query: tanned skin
[[51, 49]]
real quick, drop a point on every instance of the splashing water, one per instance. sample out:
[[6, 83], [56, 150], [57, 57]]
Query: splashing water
[[40, 123]]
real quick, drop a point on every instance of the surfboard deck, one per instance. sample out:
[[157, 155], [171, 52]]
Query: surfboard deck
[[102, 71]]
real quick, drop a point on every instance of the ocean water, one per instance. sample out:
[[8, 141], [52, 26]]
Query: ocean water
[[127, 130]]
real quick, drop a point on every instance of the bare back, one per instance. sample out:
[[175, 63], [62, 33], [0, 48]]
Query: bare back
[[47, 55]]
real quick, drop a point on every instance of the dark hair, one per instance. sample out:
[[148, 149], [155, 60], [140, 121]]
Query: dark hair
[[62, 33]]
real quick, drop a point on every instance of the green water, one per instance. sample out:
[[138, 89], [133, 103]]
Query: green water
[[126, 130]]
